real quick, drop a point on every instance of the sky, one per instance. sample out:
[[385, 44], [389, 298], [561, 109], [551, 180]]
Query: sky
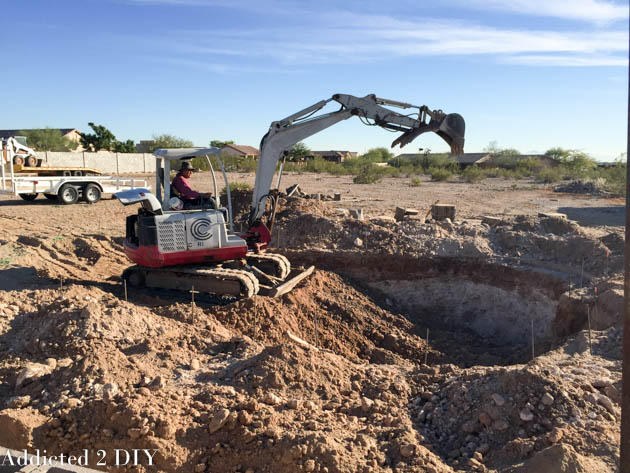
[[524, 74]]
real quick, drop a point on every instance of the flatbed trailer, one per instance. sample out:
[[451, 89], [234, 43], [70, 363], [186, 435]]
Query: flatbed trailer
[[56, 170], [66, 189]]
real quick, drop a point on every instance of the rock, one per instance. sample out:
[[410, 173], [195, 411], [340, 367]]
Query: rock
[[407, 450], [51, 362], [607, 403], [244, 417], [478, 456], [218, 420], [601, 382], [342, 212], [72, 402], [271, 399], [613, 393], [293, 404], [485, 419], [498, 399], [156, 384], [30, 372], [500, 425], [366, 404], [310, 405], [143, 391], [358, 242], [18, 401], [555, 435], [134, 433], [195, 365], [547, 399], [110, 390], [356, 213], [309, 465], [469, 427], [200, 467], [526, 415]]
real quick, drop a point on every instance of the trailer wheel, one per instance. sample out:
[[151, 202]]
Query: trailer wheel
[[18, 160], [51, 196], [68, 194], [78, 173], [91, 194], [67, 173], [28, 197], [31, 161]]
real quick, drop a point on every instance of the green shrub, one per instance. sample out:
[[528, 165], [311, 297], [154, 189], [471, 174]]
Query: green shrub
[[416, 182], [473, 174], [440, 174], [549, 175], [369, 175]]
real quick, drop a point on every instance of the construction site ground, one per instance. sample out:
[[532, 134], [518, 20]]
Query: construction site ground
[[414, 347]]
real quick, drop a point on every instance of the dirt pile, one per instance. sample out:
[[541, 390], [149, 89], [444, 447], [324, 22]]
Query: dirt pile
[[580, 187], [231, 388]]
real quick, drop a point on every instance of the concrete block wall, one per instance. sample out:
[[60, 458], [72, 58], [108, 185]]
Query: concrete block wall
[[106, 162], [131, 162], [110, 163]]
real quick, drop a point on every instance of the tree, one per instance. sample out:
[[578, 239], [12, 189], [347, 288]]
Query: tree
[[125, 147], [169, 141], [221, 144], [48, 139], [102, 138], [298, 152], [573, 159], [377, 155]]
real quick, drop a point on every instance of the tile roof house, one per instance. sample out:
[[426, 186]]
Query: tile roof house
[[240, 150], [334, 156], [71, 133]]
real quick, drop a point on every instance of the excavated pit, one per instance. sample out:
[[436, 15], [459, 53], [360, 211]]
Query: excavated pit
[[493, 310]]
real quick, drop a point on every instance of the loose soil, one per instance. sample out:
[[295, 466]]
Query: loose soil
[[409, 349]]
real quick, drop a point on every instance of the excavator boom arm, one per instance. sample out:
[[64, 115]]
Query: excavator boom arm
[[285, 133]]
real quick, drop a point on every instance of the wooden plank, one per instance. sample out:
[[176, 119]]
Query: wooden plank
[[291, 283]]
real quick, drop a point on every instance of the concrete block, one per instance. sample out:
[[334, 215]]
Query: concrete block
[[337, 196], [103, 160], [442, 211]]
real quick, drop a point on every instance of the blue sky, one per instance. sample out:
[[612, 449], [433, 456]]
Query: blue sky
[[528, 74]]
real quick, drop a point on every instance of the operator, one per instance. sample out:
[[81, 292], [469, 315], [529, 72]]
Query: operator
[[190, 197]]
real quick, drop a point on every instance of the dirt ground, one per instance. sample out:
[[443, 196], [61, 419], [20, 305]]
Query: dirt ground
[[416, 351]]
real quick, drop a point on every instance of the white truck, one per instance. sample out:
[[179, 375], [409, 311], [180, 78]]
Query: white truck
[[67, 185]]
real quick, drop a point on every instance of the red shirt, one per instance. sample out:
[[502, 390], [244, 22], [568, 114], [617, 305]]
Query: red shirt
[[186, 192]]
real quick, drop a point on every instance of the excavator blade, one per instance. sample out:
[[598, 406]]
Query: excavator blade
[[451, 128]]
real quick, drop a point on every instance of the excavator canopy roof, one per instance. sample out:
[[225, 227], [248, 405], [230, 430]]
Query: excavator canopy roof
[[184, 153]]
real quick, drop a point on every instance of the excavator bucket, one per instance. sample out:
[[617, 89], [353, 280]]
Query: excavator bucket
[[450, 127], [452, 131]]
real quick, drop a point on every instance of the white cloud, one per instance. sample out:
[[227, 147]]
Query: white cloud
[[567, 60], [597, 11]]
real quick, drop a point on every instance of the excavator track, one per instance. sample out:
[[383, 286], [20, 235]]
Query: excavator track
[[271, 263], [222, 281]]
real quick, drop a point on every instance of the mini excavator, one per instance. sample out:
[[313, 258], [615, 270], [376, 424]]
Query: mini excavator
[[176, 248]]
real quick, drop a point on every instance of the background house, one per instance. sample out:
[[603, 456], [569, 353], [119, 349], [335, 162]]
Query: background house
[[242, 151], [72, 134], [333, 156]]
